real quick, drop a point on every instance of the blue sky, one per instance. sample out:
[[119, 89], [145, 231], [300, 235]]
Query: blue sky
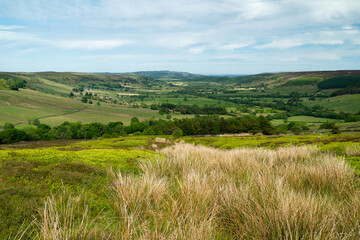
[[199, 36]]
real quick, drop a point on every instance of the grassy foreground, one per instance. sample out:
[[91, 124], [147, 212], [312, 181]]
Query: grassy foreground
[[119, 189]]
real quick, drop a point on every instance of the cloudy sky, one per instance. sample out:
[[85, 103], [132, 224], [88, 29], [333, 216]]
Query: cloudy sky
[[199, 36]]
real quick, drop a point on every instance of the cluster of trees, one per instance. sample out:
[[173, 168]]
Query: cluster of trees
[[178, 127], [13, 83], [189, 109], [354, 89], [339, 82], [16, 84]]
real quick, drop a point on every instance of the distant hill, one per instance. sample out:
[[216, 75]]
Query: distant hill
[[62, 82], [168, 75], [56, 82]]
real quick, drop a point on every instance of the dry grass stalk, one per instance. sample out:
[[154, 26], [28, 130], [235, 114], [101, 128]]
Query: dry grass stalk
[[197, 192]]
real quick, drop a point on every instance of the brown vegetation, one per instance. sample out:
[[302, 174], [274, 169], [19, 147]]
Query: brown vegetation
[[197, 192]]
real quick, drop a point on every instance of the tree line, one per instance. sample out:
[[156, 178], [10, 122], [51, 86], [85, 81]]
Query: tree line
[[200, 125]]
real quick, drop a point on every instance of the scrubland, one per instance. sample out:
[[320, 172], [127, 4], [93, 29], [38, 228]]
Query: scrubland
[[191, 191]]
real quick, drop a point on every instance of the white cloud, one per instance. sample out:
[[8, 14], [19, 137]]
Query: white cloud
[[177, 41], [282, 44], [259, 9], [245, 57], [233, 46], [10, 27], [197, 50], [11, 36], [324, 56], [288, 59], [91, 44], [195, 30]]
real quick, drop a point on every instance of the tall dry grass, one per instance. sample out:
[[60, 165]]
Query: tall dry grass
[[64, 216], [196, 192]]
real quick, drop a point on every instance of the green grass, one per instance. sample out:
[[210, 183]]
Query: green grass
[[58, 120], [355, 163], [112, 143], [28, 176], [3, 84], [102, 158], [51, 87], [190, 101], [4, 119], [21, 113], [309, 119], [309, 89], [345, 103], [230, 142]]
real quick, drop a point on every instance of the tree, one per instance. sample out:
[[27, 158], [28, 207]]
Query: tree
[[295, 127], [134, 120], [177, 133], [335, 130], [16, 84], [36, 122], [8, 126], [327, 125], [12, 135], [266, 126], [84, 100]]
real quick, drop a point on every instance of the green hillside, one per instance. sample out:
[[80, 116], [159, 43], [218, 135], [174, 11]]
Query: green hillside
[[55, 97], [18, 107]]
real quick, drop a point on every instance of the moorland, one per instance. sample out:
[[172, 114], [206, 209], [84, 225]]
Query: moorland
[[172, 155]]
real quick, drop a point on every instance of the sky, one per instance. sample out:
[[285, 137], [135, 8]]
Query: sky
[[198, 36]]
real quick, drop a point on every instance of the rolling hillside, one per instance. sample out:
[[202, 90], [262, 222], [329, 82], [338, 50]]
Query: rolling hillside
[[46, 96], [18, 107]]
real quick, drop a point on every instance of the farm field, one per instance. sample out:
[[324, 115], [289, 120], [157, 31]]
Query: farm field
[[17, 107], [93, 187], [191, 101], [345, 103], [312, 122]]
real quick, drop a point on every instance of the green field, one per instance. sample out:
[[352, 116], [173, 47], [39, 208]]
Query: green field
[[24, 105], [190, 101], [344, 103], [51, 87]]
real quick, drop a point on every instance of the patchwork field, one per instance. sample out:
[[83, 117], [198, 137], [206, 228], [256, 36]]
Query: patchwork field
[[21, 106]]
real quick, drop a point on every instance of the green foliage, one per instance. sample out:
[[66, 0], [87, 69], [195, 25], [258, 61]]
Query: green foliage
[[353, 89], [177, 133], [9, 126], [333, 143], [335, 130], [12, 135], [301, 82], [339, 82], [16, 84], [28, 176], [36, 122], [297, 127], [327, 125]]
